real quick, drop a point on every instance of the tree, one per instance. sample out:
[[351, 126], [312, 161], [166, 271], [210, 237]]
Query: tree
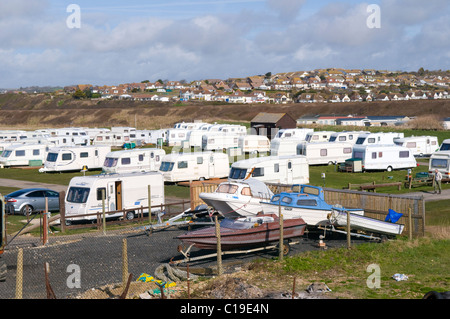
[[78, 94], [421, 71]]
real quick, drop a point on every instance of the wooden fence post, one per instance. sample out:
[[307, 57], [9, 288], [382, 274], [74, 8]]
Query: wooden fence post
[[103, 212], [219, 247], [281, 244], [149, 205], [124, 263], [19, 275]]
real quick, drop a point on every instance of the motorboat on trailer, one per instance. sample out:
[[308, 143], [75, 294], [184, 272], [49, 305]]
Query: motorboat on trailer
[[238, 198], [387, 227], [244, 232], [308, 203]]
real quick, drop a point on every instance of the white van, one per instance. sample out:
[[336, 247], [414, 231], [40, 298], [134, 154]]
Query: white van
[[254, 143], [319, 136], [122, 191], [284, 146], [219, 142], [178, 167], [384, 157], [419, 145], [23, 155], [113, 139], [71, 158], [325, 152], [378, 138], [272, 169], [138, 159], [346, 136], [441, 161]]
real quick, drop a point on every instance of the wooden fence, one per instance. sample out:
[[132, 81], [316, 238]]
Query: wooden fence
[[375, 205]]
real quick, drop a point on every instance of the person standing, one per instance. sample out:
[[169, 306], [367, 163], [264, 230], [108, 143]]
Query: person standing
[[437, 181]]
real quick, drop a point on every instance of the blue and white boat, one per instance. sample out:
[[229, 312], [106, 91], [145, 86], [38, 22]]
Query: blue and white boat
[[308, 204]]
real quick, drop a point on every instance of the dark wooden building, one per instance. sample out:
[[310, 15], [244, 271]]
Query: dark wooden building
[[268, 124]]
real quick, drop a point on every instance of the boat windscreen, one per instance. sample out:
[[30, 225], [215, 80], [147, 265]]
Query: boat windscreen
[[236, 224], [227, 188]]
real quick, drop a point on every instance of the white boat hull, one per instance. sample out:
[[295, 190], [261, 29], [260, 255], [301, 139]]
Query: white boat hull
[[312, 217], [245, 206], [339, 218]]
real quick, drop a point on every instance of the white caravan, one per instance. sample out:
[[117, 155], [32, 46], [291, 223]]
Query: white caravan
[[325, 152], [121, 191], [177, 137], [23, 155], [319, 136], [219, 142], [75, 158], [419, 145], [441, 161], [346, 136], [272, 169], [195, 137], [384, 157], [152, 136], [138, 159], [445, 146], [113, 139], [284, 146], [254, 143], [178, 167], [378, 138], [123, 129], [296, 133]]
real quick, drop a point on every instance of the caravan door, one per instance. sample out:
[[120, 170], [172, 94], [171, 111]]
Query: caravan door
[[212, 167], [290, 172]]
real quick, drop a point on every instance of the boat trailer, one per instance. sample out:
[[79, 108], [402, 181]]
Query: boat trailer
[[332, 228], [198, 216], [187, 258]]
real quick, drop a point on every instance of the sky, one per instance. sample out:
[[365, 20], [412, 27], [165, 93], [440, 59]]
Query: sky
[[48, 43]]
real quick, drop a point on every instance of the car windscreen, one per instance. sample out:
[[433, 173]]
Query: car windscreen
[[78, 195]]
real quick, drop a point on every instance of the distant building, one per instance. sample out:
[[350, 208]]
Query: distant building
[[268, 124]]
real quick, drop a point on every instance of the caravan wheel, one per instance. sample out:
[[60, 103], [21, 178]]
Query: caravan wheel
[[130, 215], [389, 169]]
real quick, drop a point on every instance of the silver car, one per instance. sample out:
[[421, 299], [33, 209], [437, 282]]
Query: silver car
[[29, 200]]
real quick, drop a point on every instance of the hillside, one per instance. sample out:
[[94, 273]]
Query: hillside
[[44, 110]]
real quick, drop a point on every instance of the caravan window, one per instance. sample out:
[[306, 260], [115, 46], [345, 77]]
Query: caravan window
[[36, 152], [101, 190], [66, 157], [371, 140], [20, 153], [360, 140], [183, 164], [125, 161], [258, 171], [51, 157], [166, 166], [404, 154], [445, 147], [84, 154], [199, 160], [347, 150], [342, 138], [439, 163], [141, 157], [6, 153], [374, 155], [411, 144], [77, 195], [323, 152], [237, 173], [276, 168], [358, 155], [110, 162]]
